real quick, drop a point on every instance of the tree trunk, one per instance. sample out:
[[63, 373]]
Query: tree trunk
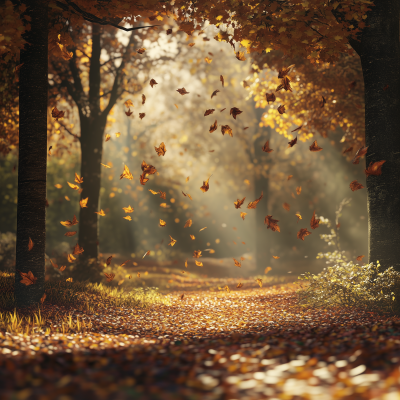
[[31, 207], [379, 51]]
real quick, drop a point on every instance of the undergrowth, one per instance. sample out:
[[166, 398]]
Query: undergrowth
[[346, 284]]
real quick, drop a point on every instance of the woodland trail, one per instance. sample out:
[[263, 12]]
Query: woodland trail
[[245, 344]]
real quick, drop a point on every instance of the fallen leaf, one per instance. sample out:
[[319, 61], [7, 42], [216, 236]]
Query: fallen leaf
[[27, 278], [50, 150], [146, 254], [299, 217], [192, 237], [267, 270], [276, 257], [191, 44], [128, 103], [69, 279], [359, 153], [53, 264], [322, 102], [289, 177]]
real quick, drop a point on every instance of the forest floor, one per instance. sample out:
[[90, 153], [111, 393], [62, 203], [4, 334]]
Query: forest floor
[[248, 343]]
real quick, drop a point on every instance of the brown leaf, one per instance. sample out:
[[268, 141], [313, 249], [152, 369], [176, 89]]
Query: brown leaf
[[359, 258], [238, 203], [281, 109], [266, 148], [109, 277], [302, 233], [237, 263], [108, 261], [314, 222], [188, 223], [235, 112], [272, 223], [69, 234], [69, 223], [205, 186], [30, 244], [298, 190], [214, 127], [226, 129], [56, 114], [143, 99], [289, 177], [221, 78], [286, 206], [298, 128], [188, 195], [214, 93], [142, 115], [374, 168], [62, 268], [285, 71], [78, 249], [348, 150], [240, 56], [209, 112], [146, 254], [161, 150], [141, 50], [354, 185], [53, 264], [27, 278], [128, 113], [42, 299], [182, 91], [359, 153], [323, 102], [169, 31], [315, 147], [270, 97], [253, 204], [191, 44], [153, 82], [292, 142]]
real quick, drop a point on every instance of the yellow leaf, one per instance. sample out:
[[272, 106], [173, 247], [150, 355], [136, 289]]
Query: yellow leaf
[[72, 186], [108, 137], [58, 186], [128, 209], [128, 217], [101, 213], [83, 202]]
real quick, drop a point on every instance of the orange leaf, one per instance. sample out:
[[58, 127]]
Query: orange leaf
[[267, 270], [53, 264], [126, 174], [374, 168], [240, 56], [71, 258], [75, 187], [108, 137], [192, 237], [78, 179], [109, 277], [239, 203], [276, 257], [161, 150], [253, 204], [198, 263], [101, 213], [205, 186], [78, 249], [63, 268], [314, 222], [289, 177], [69, 234], [299, 217], [30, 244], [213, 127], [315, 147], [286, 206], [128, 217], [172, 242], [69, 223], [226, 129], [359, 258], [202, 229], [362, 151], [243, 214], [298, 190], [239, 285], [259, 281], [42, 299], [27, 278], [83, 202], [197, 254], [266, 148], [272, 223], [237, 263], [354, 185], [188, 223], [302, 233]]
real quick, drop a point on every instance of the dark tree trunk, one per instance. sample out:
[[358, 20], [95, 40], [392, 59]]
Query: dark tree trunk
[[31, 207], [379, 51]]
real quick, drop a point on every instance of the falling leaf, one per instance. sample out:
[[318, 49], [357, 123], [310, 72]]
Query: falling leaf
[[108, 137], [222, 110], [56, 114], [78, 249], [121, 282], [266, 148], [187, 195], [315, 147], [169, 31], [182, 91], [196, 253], [276, 257], [58, 186], [214, 127], [292, 142], [237, 263], [69, 234], [143, 99], [298, 128], [226, 129], [239, 203], [141, 50], [208, 60], [69, 223], [314, 222], [142, 115], [71, 258], [359, 258], [243, 214], [302, 233], [182, 296], [253, 204], [101, 213], [270, 97], [259, 281], [354, 185], [161, 150], [202, 229], [78, 179], [322, 102], [162, 223], [72, 186], [124, 263], [69, 280], [109, 277], [126, 174], [374, 168], [239, 285], [240, 56], [172, 242], [192, 237], [221, 78], [289, 177], [108, 261], [186, 264], [50, 150], [205, 186], [272, 223], [285, 71], [129, 112], [188, 223], [30, 244], [209, 112], [83, 202], [63, 268], [128, 103], [27, 278], [235, 112], [198, 263], [53, 264], [299, 217], [42, 299], [153, 82], [359, 153], [286, 206], [128, 217], [214, 93], [245, 84], [298, 190], [191, 44], [267, 270], [104, 165], [281, 109]]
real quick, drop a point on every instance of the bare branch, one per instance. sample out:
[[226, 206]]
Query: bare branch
[[72, 134]]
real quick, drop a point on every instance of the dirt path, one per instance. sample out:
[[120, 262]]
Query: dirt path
[[248, 344]]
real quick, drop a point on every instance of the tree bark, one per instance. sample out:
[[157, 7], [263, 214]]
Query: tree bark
[[31, 206], [379, 50]]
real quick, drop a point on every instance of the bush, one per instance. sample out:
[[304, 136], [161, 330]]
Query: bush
[[346, 284]]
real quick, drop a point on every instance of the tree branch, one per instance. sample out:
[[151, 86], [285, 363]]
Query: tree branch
[[72, 134]]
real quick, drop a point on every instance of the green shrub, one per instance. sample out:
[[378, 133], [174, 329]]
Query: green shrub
[[345, 284]]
